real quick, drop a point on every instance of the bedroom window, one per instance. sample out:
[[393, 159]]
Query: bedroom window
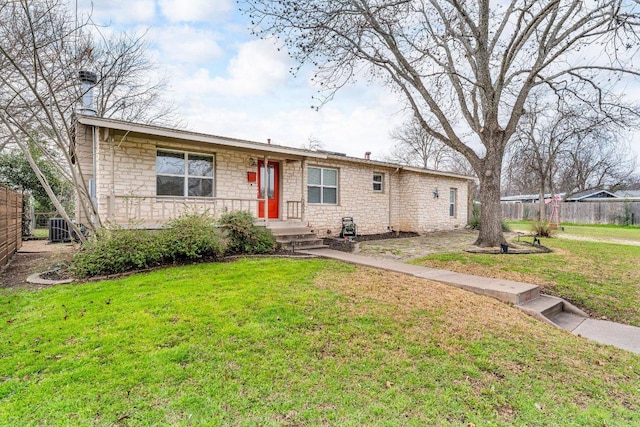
[[378, 181], [452, 202], [322, 186], [180, 173]]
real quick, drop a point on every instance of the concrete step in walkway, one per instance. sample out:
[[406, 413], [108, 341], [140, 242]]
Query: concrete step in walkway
[[505, 290], [525, 296]]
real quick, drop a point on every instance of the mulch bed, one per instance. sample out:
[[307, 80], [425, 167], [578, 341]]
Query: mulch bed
[[347, 244]]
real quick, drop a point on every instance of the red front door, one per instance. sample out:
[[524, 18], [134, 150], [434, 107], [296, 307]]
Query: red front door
[[269, 188]]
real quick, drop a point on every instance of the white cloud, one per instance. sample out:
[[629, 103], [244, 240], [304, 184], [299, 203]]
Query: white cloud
[[185, 45], [119, 11], [195, 10], [258, 69], [342, 128]]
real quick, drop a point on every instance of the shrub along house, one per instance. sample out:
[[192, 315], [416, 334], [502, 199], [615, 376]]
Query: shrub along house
[[143, 176]]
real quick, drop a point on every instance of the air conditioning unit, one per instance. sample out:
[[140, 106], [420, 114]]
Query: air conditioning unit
[[59, 230]]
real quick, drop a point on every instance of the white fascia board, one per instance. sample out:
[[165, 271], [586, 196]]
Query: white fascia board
[[195, 137]]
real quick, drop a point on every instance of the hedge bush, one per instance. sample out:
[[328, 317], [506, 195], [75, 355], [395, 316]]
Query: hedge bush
[[118, 250], [189, 237], [244, 236]]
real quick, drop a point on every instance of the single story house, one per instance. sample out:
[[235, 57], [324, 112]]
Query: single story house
[[528, 198], [629, 195], [141, 175], [593, 195]]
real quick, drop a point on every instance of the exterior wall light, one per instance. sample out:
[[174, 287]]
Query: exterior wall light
[[436, 194]]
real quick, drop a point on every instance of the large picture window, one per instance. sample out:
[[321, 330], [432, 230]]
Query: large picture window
[[322, 186], [184, 174]]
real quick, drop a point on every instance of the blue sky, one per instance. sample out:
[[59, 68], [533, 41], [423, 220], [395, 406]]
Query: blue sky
[[227, 82]]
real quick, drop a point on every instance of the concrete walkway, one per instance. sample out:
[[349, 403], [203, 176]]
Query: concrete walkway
[[522, 295]]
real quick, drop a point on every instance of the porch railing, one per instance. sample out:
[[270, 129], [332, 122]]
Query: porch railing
[[294, 209], [155, 211]]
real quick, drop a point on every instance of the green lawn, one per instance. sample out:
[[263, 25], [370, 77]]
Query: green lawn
[[601, 278], [41, 233], [596, 231], [297, 342]]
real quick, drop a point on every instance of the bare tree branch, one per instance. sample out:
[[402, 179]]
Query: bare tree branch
[[464, 68]]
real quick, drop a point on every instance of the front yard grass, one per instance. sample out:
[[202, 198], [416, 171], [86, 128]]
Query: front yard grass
[[601, 278], [595, 231], [297, 342]]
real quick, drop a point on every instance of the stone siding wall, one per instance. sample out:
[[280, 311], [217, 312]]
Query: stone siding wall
[[127, 169], [134, 161], [84, 161], [291, 185], [422, 212], [356, 198]]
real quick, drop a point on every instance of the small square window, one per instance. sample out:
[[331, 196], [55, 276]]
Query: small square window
[[378, 181]]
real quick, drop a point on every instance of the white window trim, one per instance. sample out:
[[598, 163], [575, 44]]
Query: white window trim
[[322, 185], [453, 202], [381, 182], [186, 176]]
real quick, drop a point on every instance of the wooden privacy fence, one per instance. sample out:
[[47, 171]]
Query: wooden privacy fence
[[618, 212], [10, 224]]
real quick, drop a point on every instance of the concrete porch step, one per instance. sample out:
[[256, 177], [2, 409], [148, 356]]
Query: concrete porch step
[[290, 237], [280, 223], [293, 235], [303, 247], [292, 231]]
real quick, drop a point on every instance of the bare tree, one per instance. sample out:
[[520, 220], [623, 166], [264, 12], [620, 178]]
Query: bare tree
[[42, 49], [415, 147], [596, 161], [544, 138], [127, 88], [560, 146], [313, 144], [465, 69]]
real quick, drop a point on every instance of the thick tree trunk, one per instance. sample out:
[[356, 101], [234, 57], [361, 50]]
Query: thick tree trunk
[[542, 216], [490, 210]]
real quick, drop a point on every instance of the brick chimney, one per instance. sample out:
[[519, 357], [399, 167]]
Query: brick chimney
[[367, 155]]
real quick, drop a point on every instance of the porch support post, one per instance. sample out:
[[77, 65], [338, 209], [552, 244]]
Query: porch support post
[[266, 190], [303, 167]]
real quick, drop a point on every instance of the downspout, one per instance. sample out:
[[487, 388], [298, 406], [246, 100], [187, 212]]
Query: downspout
[[397, 225], [112, 201], [390, 202]]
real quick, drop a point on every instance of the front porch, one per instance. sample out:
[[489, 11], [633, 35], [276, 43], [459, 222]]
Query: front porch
[[155, 211]]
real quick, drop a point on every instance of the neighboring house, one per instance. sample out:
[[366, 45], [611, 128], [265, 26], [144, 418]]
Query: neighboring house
[[594, 195], [630, 195], [142, 176], [527, 198]]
